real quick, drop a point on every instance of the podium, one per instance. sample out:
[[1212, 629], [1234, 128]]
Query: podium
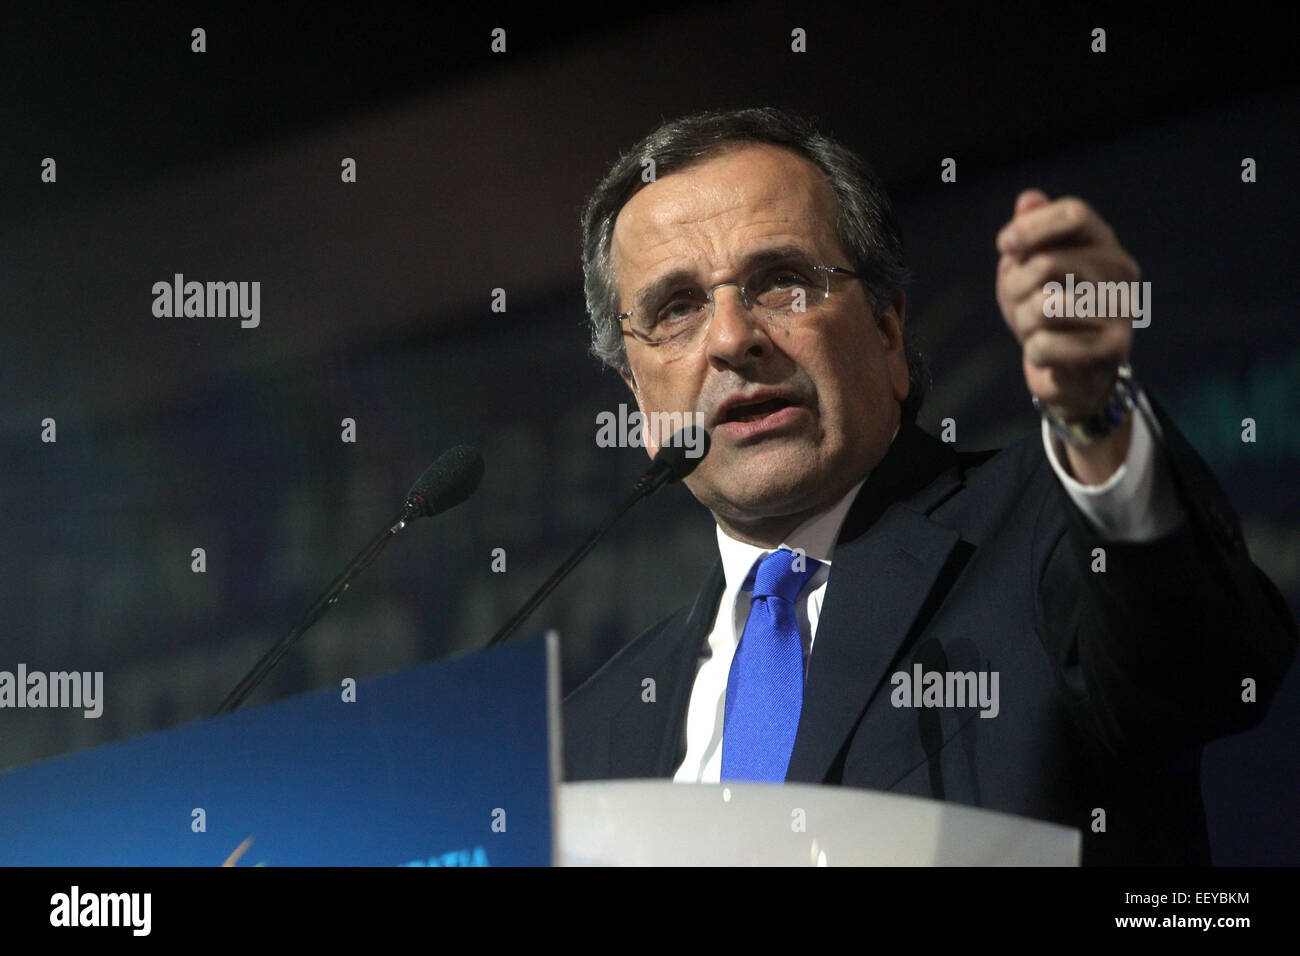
[[455, 763], [661, 823], [452, 763]]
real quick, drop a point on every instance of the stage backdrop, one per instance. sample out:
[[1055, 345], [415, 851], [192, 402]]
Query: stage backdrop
[[201, 489]]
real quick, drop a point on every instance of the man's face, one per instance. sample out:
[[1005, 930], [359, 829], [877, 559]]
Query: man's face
[[822, 387]]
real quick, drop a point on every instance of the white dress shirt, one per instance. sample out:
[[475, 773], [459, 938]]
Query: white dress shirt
[[1137, 503]]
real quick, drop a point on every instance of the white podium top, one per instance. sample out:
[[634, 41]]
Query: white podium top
[[661, 823]]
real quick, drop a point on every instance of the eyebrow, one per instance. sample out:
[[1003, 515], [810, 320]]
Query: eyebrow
[[686, 277]]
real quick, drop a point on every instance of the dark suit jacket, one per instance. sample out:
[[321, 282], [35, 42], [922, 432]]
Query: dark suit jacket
[[1110, 682]]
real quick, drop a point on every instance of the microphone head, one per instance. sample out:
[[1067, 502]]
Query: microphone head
[[682, 453], [447, 482]]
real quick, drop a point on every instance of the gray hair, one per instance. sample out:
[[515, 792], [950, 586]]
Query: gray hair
[[866, 226]]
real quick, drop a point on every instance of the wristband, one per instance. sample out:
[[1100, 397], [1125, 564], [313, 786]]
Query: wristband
[[1080, 434]]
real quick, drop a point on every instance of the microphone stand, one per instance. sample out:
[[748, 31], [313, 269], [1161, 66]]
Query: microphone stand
[[659, 473], [363, 560]]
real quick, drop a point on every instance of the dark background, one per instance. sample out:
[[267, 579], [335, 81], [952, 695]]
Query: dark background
[[472, 169]]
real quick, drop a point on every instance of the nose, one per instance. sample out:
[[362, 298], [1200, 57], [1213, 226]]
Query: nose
[[736, 335]]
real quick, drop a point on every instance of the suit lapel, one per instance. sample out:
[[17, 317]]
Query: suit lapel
[[695, 634], [885, 564], [646, 739]]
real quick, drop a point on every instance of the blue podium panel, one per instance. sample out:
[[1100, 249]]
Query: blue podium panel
[[451, 763]]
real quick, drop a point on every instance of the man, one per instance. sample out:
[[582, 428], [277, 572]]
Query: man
[[1090, 599]]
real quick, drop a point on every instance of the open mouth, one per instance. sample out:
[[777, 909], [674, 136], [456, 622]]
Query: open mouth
[[756, 411]]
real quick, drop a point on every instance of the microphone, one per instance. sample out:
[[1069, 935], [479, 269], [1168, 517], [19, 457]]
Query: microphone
[[669, 465], [672, 463], [446, 483]]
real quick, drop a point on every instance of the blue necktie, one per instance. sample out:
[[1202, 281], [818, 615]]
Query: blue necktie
[[765, 685]]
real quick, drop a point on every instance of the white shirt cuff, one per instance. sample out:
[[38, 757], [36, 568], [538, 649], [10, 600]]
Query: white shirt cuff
[[1138, 502]]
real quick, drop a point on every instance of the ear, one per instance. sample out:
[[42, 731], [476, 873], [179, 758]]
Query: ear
[[890, 325]]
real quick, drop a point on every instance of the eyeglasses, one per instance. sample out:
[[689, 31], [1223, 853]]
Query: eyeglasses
[[677, 323]]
